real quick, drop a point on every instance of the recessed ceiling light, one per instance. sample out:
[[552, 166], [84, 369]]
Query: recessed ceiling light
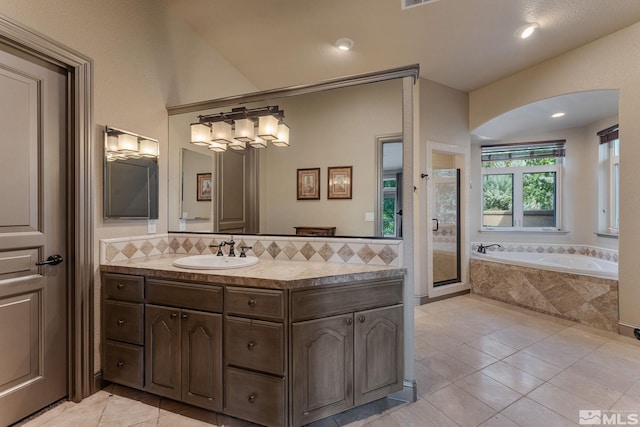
[[556, 115], [528, 30], [344, 44]]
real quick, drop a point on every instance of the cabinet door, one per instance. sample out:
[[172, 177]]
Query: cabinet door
[[162, 351], [378, 353], [322, 368], [202, 359]]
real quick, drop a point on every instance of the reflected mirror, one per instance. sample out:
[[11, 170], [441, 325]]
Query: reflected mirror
[[328, 128]]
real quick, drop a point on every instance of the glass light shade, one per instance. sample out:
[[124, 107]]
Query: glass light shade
[[200, 134], [283, 136], [111, 145], [217, 146], [148, 148], [127, 143], [268, 128], [245, 130], [258, 143], [238, 145], [221, 132]]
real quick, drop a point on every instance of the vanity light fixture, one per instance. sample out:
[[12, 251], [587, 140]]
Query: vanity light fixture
[[283, 136], [237, 128], [527, 30], [121, 145]]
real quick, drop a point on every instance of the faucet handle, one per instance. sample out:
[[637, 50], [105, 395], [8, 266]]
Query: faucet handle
[[219, 253], [242, 249]]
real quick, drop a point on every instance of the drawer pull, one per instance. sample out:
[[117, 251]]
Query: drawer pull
[[252, 398], [252, 302], [174, 315], [120, 286], [120, 322], [251, 345], [361, 319], [349, 321], [185, 316], [120, 364]]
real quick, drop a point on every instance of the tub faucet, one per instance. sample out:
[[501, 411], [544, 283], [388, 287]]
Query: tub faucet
[[483, 248]]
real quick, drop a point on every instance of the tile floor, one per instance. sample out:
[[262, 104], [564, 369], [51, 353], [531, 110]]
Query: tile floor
[[478, 362]]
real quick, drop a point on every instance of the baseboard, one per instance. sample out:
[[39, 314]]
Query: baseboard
[[409, 393], [427, 300], [98, 382], [627, 330]]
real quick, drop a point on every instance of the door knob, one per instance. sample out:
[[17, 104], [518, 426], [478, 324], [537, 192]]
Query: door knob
[[52, 260]]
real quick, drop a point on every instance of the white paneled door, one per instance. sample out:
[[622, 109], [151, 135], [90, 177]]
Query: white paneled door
[[33, 206]]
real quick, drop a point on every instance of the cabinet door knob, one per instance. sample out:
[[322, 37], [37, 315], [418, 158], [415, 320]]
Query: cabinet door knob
[[185, 316], [251, 345], [174, 315], [120, 364], [120, 322], [349, 321], [251, 302], [120, 286], [361, 319], [252, 398]]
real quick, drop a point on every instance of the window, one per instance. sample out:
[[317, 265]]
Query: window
[[521, 186], [610, 158]]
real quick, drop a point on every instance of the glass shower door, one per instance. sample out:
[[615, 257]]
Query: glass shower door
[[446, 227]]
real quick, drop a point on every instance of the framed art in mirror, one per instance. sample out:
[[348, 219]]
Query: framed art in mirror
[[309, 184], [339, 182]]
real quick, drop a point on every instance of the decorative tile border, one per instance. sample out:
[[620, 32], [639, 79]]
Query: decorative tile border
[[288, 248], [586, 250]]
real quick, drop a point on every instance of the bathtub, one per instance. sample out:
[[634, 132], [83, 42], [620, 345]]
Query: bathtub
[[579, 288], [563, 263]]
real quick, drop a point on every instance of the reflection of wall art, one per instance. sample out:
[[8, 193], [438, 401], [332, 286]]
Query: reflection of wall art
[[309, 184], [204, 187], [339, 182]]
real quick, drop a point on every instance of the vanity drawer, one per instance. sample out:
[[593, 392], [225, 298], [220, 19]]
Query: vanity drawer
[[255, 397], [124, 321], [123, 363], [123, 287], [254, 344], [333, 300], [259, 303], [184, 295]]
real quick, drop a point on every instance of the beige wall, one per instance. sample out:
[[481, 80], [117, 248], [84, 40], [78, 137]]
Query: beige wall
[[612, 62], [144, 59]]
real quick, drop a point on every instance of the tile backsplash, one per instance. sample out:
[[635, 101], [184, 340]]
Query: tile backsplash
[[313, 249], [586, 250]]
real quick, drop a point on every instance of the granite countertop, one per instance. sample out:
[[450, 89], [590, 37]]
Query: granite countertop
[[271, 274]]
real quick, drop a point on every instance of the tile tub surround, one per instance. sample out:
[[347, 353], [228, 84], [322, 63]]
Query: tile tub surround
[[551, 248], [587, 300], [384, 252]]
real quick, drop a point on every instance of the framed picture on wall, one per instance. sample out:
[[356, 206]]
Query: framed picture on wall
[[309, 184], [340, 182], [203, 190]]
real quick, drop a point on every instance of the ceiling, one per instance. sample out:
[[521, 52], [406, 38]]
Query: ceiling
[[463, 44]]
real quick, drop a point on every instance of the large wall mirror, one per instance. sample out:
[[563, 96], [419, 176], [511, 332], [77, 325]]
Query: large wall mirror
[[332, 124]]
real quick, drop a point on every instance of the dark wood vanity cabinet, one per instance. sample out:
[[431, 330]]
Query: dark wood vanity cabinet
[[270, 356], [183, 347], [347, 359]]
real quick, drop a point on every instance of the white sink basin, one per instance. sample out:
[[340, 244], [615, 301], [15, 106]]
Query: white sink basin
[[213, 262]]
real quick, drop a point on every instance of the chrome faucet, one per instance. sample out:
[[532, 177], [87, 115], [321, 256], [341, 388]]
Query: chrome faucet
[[483, 248]]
